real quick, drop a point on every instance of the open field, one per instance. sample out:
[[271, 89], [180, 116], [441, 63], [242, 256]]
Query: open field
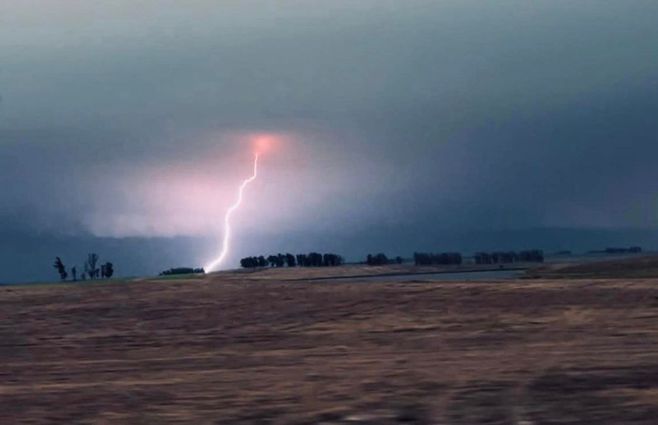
[[249, 348], [630, 267], [351, 271]]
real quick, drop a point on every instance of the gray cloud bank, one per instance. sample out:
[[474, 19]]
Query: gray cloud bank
[[409, 120]]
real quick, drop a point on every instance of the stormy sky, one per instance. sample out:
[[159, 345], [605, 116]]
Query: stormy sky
[[400, 126]]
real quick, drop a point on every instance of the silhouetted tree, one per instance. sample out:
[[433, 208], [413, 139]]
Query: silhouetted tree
[[59, 266], [248, 262], [331, 260], [482, 258], [74, 273], [445, 258], [90, 265], [506, 257], [252, 262], [290, 260], [315, 259], [377, 260], [533, 256], [107, 270]]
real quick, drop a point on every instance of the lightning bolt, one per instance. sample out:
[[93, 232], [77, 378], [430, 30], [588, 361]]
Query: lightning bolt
[[214, 265]]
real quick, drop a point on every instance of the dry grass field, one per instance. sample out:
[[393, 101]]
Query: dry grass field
[[250, 348], [633, 267]]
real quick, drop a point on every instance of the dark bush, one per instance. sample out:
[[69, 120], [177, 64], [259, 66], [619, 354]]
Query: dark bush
[[182, 270]]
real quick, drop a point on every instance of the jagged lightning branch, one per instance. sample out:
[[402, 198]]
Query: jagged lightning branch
[[227, 219]]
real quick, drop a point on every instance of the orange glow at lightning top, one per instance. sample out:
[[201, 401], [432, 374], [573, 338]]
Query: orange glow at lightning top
[[264, 144]]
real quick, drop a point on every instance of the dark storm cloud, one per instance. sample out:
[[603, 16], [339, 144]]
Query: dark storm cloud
[[412, 115]]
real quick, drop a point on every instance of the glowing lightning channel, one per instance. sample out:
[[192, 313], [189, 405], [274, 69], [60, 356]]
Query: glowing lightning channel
[[227, 220]]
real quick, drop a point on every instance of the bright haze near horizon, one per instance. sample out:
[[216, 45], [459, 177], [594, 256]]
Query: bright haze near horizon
[[403, 125]]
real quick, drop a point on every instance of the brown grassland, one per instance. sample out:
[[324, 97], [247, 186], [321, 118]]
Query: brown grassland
[[261, 348]]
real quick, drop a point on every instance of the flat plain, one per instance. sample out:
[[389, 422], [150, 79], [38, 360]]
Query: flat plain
[[271, 348]]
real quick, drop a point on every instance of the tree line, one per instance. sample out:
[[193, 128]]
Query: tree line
[[381, 259], [445, 258], [313, 259], [529, 256], [182, 270], [455, 258], [92, 270]]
